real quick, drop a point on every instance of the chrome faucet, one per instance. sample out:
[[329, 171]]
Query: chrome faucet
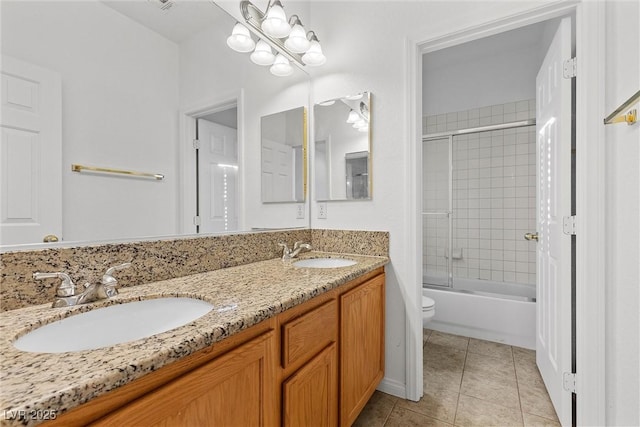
[[287, 253], [66, 292]]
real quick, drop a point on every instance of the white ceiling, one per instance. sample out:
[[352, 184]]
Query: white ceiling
[[530, 35], [184, 19]]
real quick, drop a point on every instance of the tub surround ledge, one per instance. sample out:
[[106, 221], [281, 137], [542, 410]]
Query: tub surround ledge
[[242, 296]]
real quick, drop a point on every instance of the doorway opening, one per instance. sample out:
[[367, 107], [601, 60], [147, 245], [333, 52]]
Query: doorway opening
[[211, 167], [216, 157], [491, 176]]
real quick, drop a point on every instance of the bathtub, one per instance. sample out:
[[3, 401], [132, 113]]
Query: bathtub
[[494, 311]]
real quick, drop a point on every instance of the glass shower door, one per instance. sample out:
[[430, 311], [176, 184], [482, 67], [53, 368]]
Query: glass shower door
[[437, 208]]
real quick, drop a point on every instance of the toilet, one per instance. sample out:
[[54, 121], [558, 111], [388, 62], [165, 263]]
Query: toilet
[[428, 310]]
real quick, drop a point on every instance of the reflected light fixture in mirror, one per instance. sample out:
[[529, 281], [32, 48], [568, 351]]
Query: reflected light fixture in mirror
[[287, 37]]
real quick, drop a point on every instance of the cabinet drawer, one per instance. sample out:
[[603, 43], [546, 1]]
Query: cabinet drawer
[[304, 336]]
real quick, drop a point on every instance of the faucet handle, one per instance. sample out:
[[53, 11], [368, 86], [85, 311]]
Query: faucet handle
[[301, 244], [115, 268], [285, 248], [65, 289], [110, 282]]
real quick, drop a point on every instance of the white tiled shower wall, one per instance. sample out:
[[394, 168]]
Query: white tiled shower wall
[[494, 195]]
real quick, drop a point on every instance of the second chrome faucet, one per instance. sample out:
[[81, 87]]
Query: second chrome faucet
[[66, 295], [288, 254]]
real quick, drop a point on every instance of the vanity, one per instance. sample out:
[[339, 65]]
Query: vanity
[[283, 345]]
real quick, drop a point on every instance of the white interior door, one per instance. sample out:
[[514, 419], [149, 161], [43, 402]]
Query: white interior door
[[218, 169], [277, 172], [30, 153], [553, 116]]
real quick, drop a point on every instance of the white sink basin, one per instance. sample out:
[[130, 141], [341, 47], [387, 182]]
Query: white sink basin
[[112, 325], [324, 262]]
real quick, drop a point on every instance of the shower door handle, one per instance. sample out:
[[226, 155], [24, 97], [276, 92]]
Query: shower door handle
[[531, 236]]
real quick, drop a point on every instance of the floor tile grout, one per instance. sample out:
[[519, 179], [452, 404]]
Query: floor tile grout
[[487, 404]]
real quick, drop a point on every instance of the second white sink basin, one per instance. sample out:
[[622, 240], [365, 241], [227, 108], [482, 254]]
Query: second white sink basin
[[112, 325], [324, 262]]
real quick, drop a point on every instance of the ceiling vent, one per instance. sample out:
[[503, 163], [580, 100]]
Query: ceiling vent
[[165, 5]]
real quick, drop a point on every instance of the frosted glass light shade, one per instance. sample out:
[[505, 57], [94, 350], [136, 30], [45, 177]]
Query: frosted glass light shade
[[297, 41], [314, 56], [281, 67], [240, 40], [263, 54], [359, 124], [275, 23], [353, 117]]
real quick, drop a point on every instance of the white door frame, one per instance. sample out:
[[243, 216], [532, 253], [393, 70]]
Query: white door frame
[[590, 301], [187, 125]]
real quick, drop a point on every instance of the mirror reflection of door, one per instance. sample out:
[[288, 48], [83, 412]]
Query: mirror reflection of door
[[30, 153], [357, 175], [277, 171], [217, 170], [283, 154]]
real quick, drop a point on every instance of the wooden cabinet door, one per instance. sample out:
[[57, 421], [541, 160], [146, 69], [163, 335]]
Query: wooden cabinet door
[[310, 396], [361, 346], [235, 389]]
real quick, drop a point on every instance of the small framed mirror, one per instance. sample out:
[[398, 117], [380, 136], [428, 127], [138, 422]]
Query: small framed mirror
[[284, 156], [342, 148]]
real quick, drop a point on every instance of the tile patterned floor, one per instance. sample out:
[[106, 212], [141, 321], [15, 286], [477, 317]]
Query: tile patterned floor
[[468, 382]]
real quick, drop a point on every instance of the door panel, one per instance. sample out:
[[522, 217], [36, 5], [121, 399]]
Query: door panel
[[30, 153], [218, 165], [277, 171], [310, 396], [553, 116]]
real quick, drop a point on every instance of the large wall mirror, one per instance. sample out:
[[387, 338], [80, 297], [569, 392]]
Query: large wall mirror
[[283, 167], [342, 148], [137, 85]]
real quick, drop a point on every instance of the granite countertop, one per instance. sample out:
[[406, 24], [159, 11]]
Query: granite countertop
[[248, 294]]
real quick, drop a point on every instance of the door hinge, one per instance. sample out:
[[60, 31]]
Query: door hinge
[[196, 220], [569, 225], [570, 68], [569, 380], [196, 144]]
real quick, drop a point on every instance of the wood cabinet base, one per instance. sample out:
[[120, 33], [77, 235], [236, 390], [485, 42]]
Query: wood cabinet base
[[316, 364]]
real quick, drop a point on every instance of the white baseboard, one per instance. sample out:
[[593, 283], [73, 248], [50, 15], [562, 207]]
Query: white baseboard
[[393, 387]]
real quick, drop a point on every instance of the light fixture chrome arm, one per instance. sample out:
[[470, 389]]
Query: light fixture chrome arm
[[254, 17]]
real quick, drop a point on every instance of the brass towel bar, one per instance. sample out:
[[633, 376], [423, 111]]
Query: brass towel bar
[[632, 115], [80, 168]]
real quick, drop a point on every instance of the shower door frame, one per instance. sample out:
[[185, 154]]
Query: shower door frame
[[449, 212]]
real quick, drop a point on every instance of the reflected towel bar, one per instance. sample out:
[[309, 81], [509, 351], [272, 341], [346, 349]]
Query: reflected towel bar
[[632, 115], [80, 168]]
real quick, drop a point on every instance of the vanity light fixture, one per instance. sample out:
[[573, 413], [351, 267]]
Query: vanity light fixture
[[240, 39], [287, 36], [281, 66], [262, 55]]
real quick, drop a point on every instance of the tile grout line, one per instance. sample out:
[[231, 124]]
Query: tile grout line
[[515, 371], [389, 414], [464, 367]]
